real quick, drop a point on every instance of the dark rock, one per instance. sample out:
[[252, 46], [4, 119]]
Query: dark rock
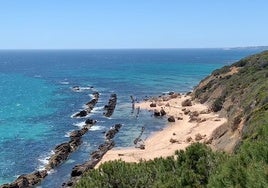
[[174, 96], [62, 152], [199, 137], [189, 139], [74, 143], [76, 88], [157, 113], [111, 133], [188, 93], [186, 102], [162, 112], [110, 106], [27, 180], [179, 118], [82, 113], [90, 122], [187, 111], [78, 133], [171, 93], [194, 118], [153, 105], [171, 119]]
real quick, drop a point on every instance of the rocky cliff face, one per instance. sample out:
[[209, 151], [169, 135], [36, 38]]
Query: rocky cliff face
[[240, 93]]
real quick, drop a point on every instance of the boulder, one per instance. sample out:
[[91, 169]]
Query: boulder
[[82, 113], [179, 118], [78, 133], [186, 112], [189, 139], [199, 137], [153, 105], [111, 133], [157, 113], [186, 102], [171, 119], [90, 122], [162, 112]]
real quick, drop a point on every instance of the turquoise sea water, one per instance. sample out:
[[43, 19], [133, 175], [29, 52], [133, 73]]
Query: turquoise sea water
[[37, 100]]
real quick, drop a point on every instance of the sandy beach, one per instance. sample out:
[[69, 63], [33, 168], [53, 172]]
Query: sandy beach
[[193, 123]]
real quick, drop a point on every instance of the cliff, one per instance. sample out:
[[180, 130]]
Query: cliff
[[240, 93]]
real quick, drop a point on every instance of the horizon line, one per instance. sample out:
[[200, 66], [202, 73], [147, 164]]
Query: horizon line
[[261, 46]]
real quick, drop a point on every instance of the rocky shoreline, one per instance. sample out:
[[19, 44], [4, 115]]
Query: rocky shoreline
[[64, 150]]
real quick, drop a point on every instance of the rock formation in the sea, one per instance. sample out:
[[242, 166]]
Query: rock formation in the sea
[[27, 180], [61, 154], [139, 143], [89, 106], [109, 108], [236, 92], [62, 151], [96, 156]]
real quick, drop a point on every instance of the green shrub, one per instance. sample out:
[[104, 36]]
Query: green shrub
[[217, 104]]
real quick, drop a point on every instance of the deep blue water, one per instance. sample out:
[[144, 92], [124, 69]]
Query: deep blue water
[[37, 101]]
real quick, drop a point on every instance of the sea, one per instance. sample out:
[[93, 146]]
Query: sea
[[37, 99]]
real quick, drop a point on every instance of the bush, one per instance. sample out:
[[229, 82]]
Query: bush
[[217, 104]]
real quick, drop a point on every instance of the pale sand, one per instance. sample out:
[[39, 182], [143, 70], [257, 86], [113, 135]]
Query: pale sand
[[158, 144]]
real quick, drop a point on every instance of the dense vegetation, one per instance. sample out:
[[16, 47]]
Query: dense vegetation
[[243, 98]]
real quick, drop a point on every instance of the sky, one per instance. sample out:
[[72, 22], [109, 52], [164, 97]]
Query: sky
[[109, 24]]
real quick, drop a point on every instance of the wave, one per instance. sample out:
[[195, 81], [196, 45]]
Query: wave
[[80, 124], [44, 160], [64, 83], [68, 133], [97, 109], [96, 128], [81, 89]]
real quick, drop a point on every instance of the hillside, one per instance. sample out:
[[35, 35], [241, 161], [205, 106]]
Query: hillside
[[238, 92]]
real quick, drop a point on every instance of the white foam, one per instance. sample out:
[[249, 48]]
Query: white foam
[[86, 88], [80, 124], [68, 133], [44, 160], [70, 161], [64, 82], [96, 128], [97, 109]]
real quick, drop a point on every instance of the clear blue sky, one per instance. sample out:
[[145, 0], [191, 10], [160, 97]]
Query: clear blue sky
[[79, 24]]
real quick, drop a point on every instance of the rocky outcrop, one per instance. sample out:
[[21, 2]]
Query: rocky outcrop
[[27, 180], [109, 108], [62, 151], [89, 106], [186, 102], [171, 119], [96, 156], [111, 133]]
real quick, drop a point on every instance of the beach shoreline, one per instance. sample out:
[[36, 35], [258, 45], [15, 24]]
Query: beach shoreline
[[194, 122]]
